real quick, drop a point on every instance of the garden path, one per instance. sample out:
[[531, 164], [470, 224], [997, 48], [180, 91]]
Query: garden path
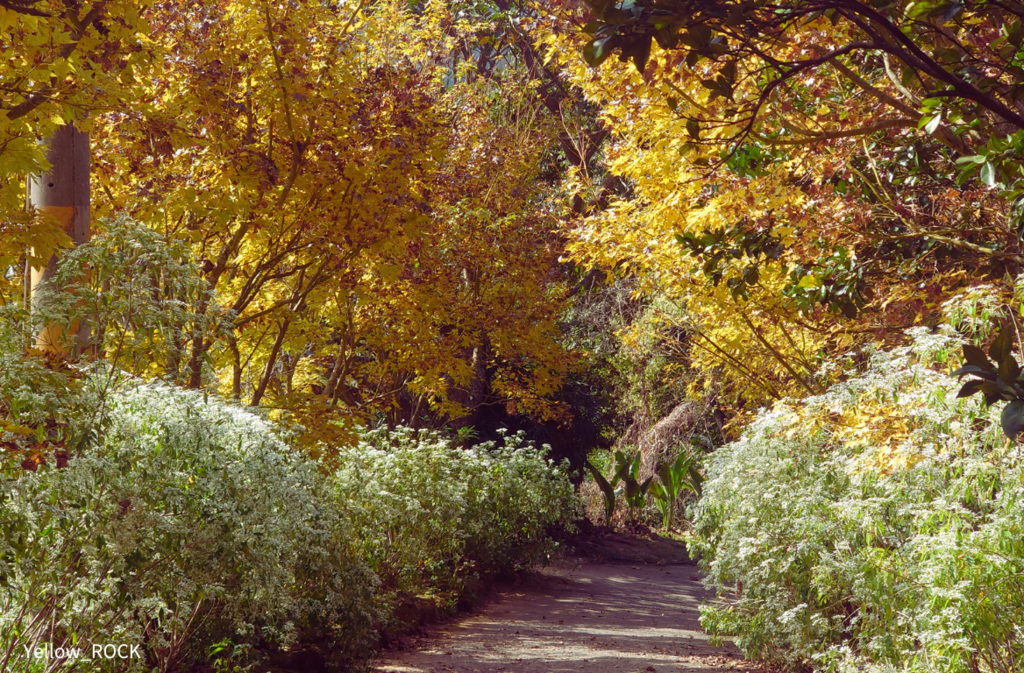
[[595, 617]]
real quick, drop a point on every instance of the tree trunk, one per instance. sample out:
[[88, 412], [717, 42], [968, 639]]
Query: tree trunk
[[472, 397], [63, 194], [236, 368], [271, 361]]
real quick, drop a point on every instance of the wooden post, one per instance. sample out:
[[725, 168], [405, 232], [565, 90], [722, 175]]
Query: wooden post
[[63, 194]]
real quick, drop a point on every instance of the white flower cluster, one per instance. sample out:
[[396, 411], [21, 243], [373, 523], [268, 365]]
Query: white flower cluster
[[424, 507], [194, 532], [842, 561], [190, 519]]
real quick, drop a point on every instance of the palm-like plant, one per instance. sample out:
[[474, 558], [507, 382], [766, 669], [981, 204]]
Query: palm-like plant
[[673, 479], [627, 472], [606, 490]]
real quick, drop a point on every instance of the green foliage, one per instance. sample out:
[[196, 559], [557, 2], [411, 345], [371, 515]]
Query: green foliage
[[191, 528], [48, 406], [430, 513], [143, 296], [606, 490], [627, 471], [836, 283], [632, 47], [740, 241], [675, 477], [997, 165], [999, 379], [189, 522], [875, 527]]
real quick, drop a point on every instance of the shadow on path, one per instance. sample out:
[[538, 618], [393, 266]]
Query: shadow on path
[[600, 618]]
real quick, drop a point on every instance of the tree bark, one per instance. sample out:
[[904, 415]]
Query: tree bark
[[236, 368], [271, 362], [63, 194]]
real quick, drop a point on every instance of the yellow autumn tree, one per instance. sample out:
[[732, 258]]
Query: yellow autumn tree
[[365, 208], [479, 294], [784, 218], [62, 63]]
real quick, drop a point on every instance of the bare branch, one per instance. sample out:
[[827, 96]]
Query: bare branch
[[831, 135]]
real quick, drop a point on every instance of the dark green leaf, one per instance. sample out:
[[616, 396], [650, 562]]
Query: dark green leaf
[[696, 480], [598, 50], [728, 72], [952, 11], [972, 369], [975, 356], [641, 52], [1002, 346], [1015, 34], [995, 391], [666, 37], [1013, 418], [970, 388], [1009, 370], [599, 6], [667, 483], [613, 15], [606, 489]]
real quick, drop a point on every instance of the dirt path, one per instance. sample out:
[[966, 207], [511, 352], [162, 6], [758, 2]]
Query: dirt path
[[598, 618]]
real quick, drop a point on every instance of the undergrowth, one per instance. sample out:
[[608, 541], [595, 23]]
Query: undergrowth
[[192, 531], [879, 526], [190, 528]]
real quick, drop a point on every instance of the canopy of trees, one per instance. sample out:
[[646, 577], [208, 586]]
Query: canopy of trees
[[675, 226], [386, 206], [802, 176], [369, 195]]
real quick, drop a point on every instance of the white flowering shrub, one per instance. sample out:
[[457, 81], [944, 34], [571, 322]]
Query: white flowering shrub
[[427, 511], [191, 523], [188, 528], [142, 294], [879, 526]]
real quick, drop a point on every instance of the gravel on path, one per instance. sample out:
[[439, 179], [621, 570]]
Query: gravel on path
[[586, 617]]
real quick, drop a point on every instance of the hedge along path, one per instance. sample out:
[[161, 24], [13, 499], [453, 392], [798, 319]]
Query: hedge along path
[[599, 618]]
